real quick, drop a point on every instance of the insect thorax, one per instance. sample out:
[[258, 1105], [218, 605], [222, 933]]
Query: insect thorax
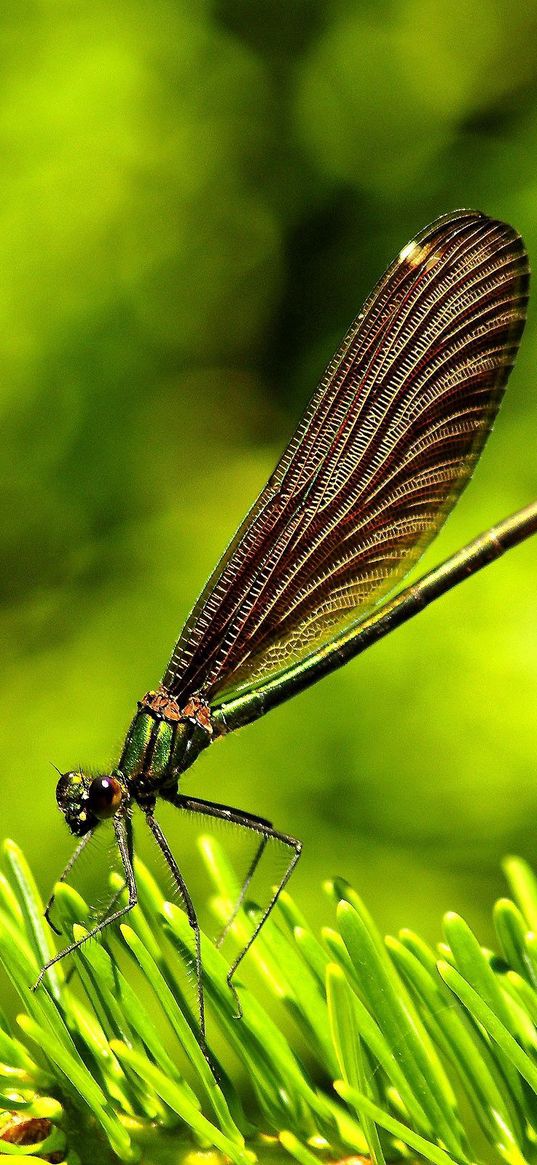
[[163, 740]]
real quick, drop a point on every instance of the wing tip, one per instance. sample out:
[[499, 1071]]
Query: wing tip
[[464, 217]]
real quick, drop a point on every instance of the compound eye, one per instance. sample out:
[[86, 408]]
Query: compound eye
[[104, 797]]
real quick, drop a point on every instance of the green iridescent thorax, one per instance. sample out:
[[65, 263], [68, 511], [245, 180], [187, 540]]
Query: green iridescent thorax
[[161, 743]]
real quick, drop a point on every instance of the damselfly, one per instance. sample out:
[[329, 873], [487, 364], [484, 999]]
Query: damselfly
[[383, 451]]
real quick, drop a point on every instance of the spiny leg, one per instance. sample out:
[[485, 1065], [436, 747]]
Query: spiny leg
[[249, 817], [121, 833], [130, 847], [257, 825], [114, 898], [244, 890], [65, 874], [192, 918]]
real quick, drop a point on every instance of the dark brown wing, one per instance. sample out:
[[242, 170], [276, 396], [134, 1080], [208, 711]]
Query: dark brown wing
[[383, 451]]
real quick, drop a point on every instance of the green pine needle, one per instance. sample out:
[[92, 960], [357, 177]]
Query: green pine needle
[[397, 1040]]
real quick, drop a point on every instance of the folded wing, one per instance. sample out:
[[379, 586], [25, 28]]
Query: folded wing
[[383, 451]]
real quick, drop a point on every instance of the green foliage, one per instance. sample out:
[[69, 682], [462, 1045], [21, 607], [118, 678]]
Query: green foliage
[[196, 199], [391, 1039]]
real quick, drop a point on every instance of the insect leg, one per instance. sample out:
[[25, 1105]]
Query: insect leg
[[257, 825], [248, 817], [122, 834], [130, 847], [244, 890], [65, 874], [192, 918]]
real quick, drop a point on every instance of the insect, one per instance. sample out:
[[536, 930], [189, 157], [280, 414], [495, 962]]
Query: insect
[[383, 451]]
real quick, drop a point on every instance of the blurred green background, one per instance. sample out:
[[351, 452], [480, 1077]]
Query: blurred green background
[[195, 200]]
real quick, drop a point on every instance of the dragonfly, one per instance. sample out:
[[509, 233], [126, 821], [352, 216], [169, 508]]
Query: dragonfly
[[312, 577]]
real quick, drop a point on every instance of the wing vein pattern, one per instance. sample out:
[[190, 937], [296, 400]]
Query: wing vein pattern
[[383, 451]]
